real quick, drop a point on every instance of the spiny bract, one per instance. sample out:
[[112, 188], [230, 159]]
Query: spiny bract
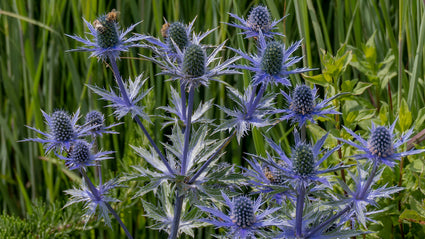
[[61, 126], [302, 100], [194, 61], [271, 61], [380, 142], [259, 19], [243, 212], [177, 33], [303, 159]]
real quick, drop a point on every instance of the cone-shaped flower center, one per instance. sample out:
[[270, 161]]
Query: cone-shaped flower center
[[177, 32], [303, 160], [194, 61], [302, 100], [95, 119], [80, 152], [106, 28], [271, 61], [259, 19], [380, 142], [243, 212], [61, 126]]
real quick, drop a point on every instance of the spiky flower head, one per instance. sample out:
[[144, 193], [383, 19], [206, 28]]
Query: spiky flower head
[[61, 126], [106, 29], [177, 33], [382, 145], [303, 106], [194, 61], [108, 41], [304, 166], [380, 142], [302, 100], [272, 63], [259, 21], [243, 212], [244, 220], [63, 131], [81, 155], [303, 159], [95, 121]]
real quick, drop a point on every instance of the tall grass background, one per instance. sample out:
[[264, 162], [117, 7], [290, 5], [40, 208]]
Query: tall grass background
[[37, 73]]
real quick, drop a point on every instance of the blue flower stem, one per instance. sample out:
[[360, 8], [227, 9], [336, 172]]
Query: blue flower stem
[[329, 221], [188, 125], [183, 99], [95, 192], [136, 118], [177, 215], [369, 180], [299, 211], [212, 157], [254, 104], [303, 132]]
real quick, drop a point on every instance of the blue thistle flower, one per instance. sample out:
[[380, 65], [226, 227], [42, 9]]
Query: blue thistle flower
[[81, 156], [246, 113], [363, 194], [95, 120], [244, 220], [304, 165], [93, 201], [266, 179], [192, 64], [135, 93], [382, 145], [258, 22], [63, 131], [177, 36], [303, 107], [272, 62], [108, 41]]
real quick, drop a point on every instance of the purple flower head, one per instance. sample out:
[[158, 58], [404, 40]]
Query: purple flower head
[[63, 131], [94, 200], [81, 155], [107, 40], [304, 165], [272, 62], [192, 64], [176, 36], [382, 145], [244, 219], [303, 106], [96, 122], [259, 22]]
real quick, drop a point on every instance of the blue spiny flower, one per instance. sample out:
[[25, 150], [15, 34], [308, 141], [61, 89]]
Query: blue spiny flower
[[81, 156], [303, 106], [244, 219], [93, 201], [259, 20], [382, 145], [96, 122], [108, 41], [63, 131], [272, 62]]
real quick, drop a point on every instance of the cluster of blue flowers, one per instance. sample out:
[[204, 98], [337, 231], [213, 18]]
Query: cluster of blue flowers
[[295, 193]]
